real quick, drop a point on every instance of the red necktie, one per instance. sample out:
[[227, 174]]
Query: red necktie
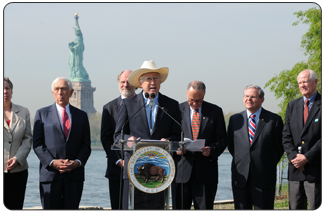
[[306, 110], [66, 123], [195, 124]]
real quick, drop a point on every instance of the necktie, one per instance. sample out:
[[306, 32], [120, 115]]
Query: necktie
[[66, 123], [306, 110], [252, 127], [151, 121], [195, 124]]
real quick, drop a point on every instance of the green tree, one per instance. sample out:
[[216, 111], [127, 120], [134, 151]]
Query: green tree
[[285, 84]]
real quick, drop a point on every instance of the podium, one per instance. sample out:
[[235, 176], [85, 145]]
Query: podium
[[150, 169]]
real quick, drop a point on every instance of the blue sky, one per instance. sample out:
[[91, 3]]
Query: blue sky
[[225, 45]]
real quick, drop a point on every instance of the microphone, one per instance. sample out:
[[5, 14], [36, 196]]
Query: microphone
[[153, 96], [122, 130]]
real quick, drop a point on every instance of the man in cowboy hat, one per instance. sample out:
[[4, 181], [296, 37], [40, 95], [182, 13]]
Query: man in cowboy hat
[[150, 123]]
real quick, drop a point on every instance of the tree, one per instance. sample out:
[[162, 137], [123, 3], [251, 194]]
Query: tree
[[285, 84]]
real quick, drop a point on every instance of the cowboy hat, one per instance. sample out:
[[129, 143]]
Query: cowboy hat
[[147, 67]]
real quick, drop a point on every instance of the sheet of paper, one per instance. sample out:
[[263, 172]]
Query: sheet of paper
[[194, 146]]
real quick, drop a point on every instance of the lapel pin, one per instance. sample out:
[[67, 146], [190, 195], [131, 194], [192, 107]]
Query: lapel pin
[[316, 120], [204, 117], [13, 120], [262, 119]]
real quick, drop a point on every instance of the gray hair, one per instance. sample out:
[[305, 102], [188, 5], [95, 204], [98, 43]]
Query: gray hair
[[312, 75], [197, 85], [261, 92], [62, 78]]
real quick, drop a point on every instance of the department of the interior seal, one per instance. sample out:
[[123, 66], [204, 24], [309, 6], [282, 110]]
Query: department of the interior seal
[[151, 169]]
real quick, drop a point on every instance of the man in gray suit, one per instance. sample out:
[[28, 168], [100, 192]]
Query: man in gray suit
[[254, 140], [302, 141]]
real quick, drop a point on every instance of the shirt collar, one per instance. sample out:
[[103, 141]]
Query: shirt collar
[[257, 113], [60, 109], [147, 100], [311, 99], [192, 110]]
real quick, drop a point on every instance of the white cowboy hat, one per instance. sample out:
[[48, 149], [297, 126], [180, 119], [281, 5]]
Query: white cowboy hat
[[147, 67]]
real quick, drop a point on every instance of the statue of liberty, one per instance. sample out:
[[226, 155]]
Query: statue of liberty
[[78, 72]]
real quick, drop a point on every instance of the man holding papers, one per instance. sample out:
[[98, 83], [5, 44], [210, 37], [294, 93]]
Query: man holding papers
[[198, 170]]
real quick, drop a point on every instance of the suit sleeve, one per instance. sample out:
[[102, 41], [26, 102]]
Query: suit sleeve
[[39, 146], [287, 139], [218, 147], [107, 135]]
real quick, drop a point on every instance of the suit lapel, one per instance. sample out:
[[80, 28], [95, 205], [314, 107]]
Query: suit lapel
[[245, 129], [186, 122], [203, 119], [160, 113], [315, 108], [139, 101], [260, 126], [14, 117], [299, 113], [74, 121], [54, 116]]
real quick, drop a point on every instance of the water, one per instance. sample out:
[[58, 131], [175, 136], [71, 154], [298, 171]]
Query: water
[[95, 192]]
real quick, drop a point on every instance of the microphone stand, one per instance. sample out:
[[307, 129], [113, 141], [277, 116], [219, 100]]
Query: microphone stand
[[122, 141], [181, 143]]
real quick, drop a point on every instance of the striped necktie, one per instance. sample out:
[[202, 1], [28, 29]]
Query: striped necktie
[[195, 124], [252, 128]]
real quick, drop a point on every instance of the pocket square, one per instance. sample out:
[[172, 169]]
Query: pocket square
[[316, 120]]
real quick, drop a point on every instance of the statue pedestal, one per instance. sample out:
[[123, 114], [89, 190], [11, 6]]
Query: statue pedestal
[[82, 96]]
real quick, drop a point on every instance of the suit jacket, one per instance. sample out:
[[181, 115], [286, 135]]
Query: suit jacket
[[108, 125], [212, 129], [17, 137], [260, 158], [308, 137], [137, 126], [50, 142]]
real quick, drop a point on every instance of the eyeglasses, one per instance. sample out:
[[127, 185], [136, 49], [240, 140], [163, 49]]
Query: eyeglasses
[[150, 79], [56, 90], [252, 97]]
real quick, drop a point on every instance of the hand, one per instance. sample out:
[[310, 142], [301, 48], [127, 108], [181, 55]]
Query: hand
[[299, 161], [206, 151], [65, 165], [131, 141], [12, 163], [121, 163], [180, 152]]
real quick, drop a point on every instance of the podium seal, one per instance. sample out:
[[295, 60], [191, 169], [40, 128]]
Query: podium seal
[[151, 169]]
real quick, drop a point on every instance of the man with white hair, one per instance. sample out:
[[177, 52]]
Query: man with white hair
[[61, 141], [303, 143], [108, 125]]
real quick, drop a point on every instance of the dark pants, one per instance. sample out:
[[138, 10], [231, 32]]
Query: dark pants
[[14, 186], [250, 197], [202, 195], [61, 194], [114, 192], [301, 191]]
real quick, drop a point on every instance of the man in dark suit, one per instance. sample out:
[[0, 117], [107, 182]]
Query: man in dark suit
[[61, 141], [108, 125], [198, 171], [157, 127], [254, 140], [303, 144]]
